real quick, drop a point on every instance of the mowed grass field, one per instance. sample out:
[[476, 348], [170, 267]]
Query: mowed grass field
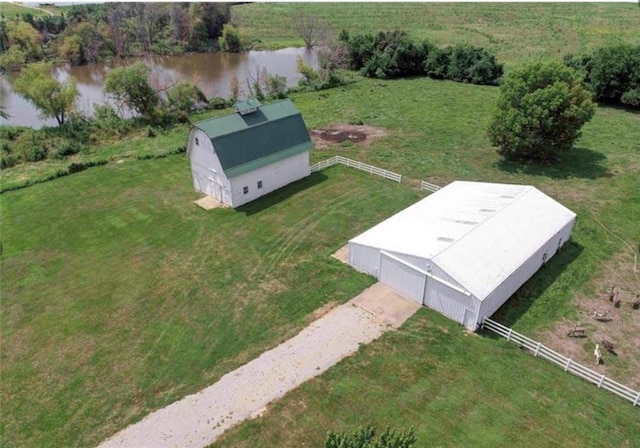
[[515, 31], [120, 296], [454, 389]]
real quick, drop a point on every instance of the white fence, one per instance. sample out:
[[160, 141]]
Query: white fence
[[429, 186], [566, 363], [357, 165]]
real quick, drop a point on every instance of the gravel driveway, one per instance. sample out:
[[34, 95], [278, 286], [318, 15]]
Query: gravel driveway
[[198, 420]]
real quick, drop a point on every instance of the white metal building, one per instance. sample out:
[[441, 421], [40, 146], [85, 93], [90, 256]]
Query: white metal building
[[239, 157], [464, 250]]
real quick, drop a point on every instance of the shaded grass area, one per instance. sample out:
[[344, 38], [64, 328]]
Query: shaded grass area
[[514, 32], [119, 295], [454, 389], [136, 145]]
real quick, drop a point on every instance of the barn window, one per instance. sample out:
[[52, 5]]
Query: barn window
[[197, 142], [245, 190], [259, 184]]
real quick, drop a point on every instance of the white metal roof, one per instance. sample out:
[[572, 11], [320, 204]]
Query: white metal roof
[[479, 233]]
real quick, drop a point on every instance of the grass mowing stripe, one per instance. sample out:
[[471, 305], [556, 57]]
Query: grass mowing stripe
[[120, 295]]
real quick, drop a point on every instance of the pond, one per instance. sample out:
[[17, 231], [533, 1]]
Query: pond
[[212, 72]]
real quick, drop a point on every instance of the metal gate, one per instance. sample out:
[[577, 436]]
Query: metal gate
[[402, 277]]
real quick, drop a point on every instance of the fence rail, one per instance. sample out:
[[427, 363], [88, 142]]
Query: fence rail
[[566, 363], [429, 186], [357, 165]]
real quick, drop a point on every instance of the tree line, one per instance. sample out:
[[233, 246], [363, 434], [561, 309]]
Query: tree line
[[90, 33], [394, 54]]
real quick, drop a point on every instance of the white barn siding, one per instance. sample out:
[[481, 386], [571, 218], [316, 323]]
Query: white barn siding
[[364, 258], [208, 176], [525, 271], [273, 176], [448, 300], [402, 277]]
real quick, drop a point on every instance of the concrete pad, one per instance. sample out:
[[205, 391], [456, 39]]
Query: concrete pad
[[208, 203], [386, 304], [342, 254]]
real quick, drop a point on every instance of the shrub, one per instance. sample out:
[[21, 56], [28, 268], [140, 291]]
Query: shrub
[[34, 153], [218, 102], [106, 122], [393, 55], [612, 73], [230, 39], [436, 65], [67, 148], [7, 160], [367, 438], [473, 64], [540, 111]]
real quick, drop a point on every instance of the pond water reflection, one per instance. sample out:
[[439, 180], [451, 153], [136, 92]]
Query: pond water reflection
[[212, 72]]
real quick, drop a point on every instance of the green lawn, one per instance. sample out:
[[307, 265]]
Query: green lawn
[[120, 296], [454, 389], [513, 31], [10, 10]]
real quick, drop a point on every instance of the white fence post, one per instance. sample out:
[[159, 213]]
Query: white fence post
[[386, 174], [566, 363]]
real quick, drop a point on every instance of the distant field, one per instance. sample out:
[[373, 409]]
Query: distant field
[[514, 31], [12, 9]]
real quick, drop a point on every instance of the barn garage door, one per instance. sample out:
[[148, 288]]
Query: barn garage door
[[448, 301], [401, 277]]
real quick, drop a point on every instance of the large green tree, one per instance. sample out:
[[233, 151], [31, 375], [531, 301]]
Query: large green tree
[[130, 87], [20, 44], [540, 111], [53, 98]]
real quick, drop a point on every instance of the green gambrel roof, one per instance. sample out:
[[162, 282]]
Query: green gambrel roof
[[247, 142]]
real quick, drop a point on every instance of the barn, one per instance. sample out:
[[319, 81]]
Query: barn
[[464, 250], [239, 157]]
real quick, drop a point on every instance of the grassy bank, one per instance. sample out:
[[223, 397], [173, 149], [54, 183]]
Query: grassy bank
[[514, 32]]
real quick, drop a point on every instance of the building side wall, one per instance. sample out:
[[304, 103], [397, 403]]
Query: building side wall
[[450, 301], [402, 277], [364, 258], [272, 177], [427, 265], [504, 291], [206, 170]]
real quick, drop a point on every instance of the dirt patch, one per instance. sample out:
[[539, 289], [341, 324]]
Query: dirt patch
[[619, 325], [340, 133]]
